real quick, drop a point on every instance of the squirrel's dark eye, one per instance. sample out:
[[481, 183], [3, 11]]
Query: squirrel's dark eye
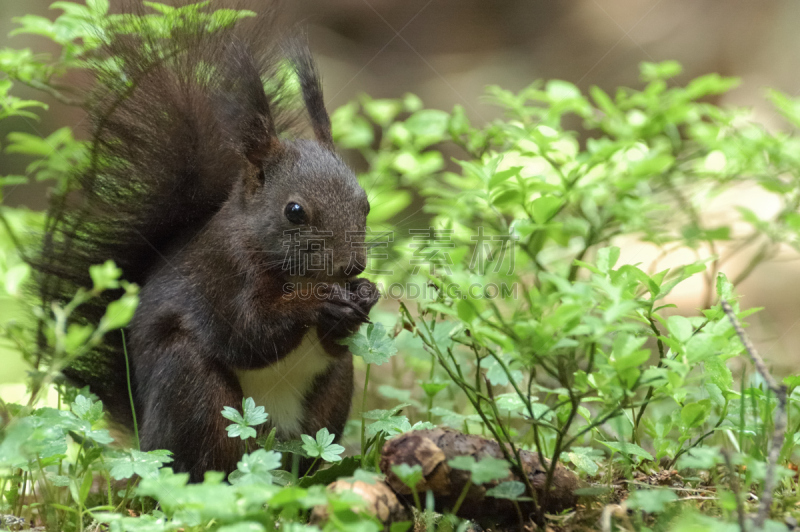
[[295, 213]]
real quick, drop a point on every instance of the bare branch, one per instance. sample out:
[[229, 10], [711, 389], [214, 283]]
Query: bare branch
[[779, 429], [734, 481]]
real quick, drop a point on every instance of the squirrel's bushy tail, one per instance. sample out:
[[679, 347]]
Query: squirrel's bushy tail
[[178, 100]]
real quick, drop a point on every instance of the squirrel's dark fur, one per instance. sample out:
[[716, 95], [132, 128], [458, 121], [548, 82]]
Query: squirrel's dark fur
[[188, 187]]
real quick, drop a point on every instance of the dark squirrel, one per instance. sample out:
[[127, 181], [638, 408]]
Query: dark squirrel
[[197, 189]]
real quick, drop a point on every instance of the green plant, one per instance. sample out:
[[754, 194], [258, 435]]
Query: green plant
[[554, 344]]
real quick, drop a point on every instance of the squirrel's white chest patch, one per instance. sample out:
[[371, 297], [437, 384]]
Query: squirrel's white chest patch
[[282, 387]]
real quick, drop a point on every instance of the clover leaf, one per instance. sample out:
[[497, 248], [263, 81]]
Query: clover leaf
[[243, 424], [323, 447]]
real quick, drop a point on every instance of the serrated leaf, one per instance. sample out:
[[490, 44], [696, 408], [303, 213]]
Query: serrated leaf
[[134, 462], [87, 410], [257, 467], [322, 446], [375, 347]]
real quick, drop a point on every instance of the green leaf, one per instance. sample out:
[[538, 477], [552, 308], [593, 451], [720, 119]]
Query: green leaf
[[401, 526], [786, 106], [717, 372], [418, 164], [545, 207], [652, 166], [387, 207], [241, 431], [695, 414], [663, 70], [256, 468], [559, 90], [428, 126], [15, 278], [323, 446], [291, 446], [626, 352], [134, 462], [497, 375], [98, 7], [607, 258], [483, 471], [350, 130], [431, 389], [628, 449], [408, 475], [700, 458], [680, 328], [511, 490], [120, 312], [340, 469], [247, 526], [105, 276], [387, 421], [466, 311], [710, 84], [715, 393], [87, 410], [651, 500], [242, 424], [584, 459], [253, 415], [502, 176], [382, 112], [724, 287], [80, 491], [603, 101], [233, 415], [77, 337], [375, 347], [412, 103]]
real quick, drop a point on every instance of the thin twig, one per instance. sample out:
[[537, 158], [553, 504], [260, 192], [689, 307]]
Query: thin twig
[[734, 482], [779, 429], [661, 356]]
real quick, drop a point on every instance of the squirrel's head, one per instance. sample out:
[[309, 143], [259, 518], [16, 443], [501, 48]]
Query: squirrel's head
[[302, 205], [308, 213]]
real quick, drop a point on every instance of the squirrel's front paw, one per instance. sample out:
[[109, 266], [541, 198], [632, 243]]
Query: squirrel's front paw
[[364, 292], [347, 308]]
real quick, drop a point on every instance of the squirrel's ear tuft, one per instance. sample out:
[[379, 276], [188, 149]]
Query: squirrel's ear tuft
[[248, 107], [259, 141], [311, 86]]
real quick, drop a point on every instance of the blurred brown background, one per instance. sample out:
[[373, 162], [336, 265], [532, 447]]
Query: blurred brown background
[[447, 51]]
